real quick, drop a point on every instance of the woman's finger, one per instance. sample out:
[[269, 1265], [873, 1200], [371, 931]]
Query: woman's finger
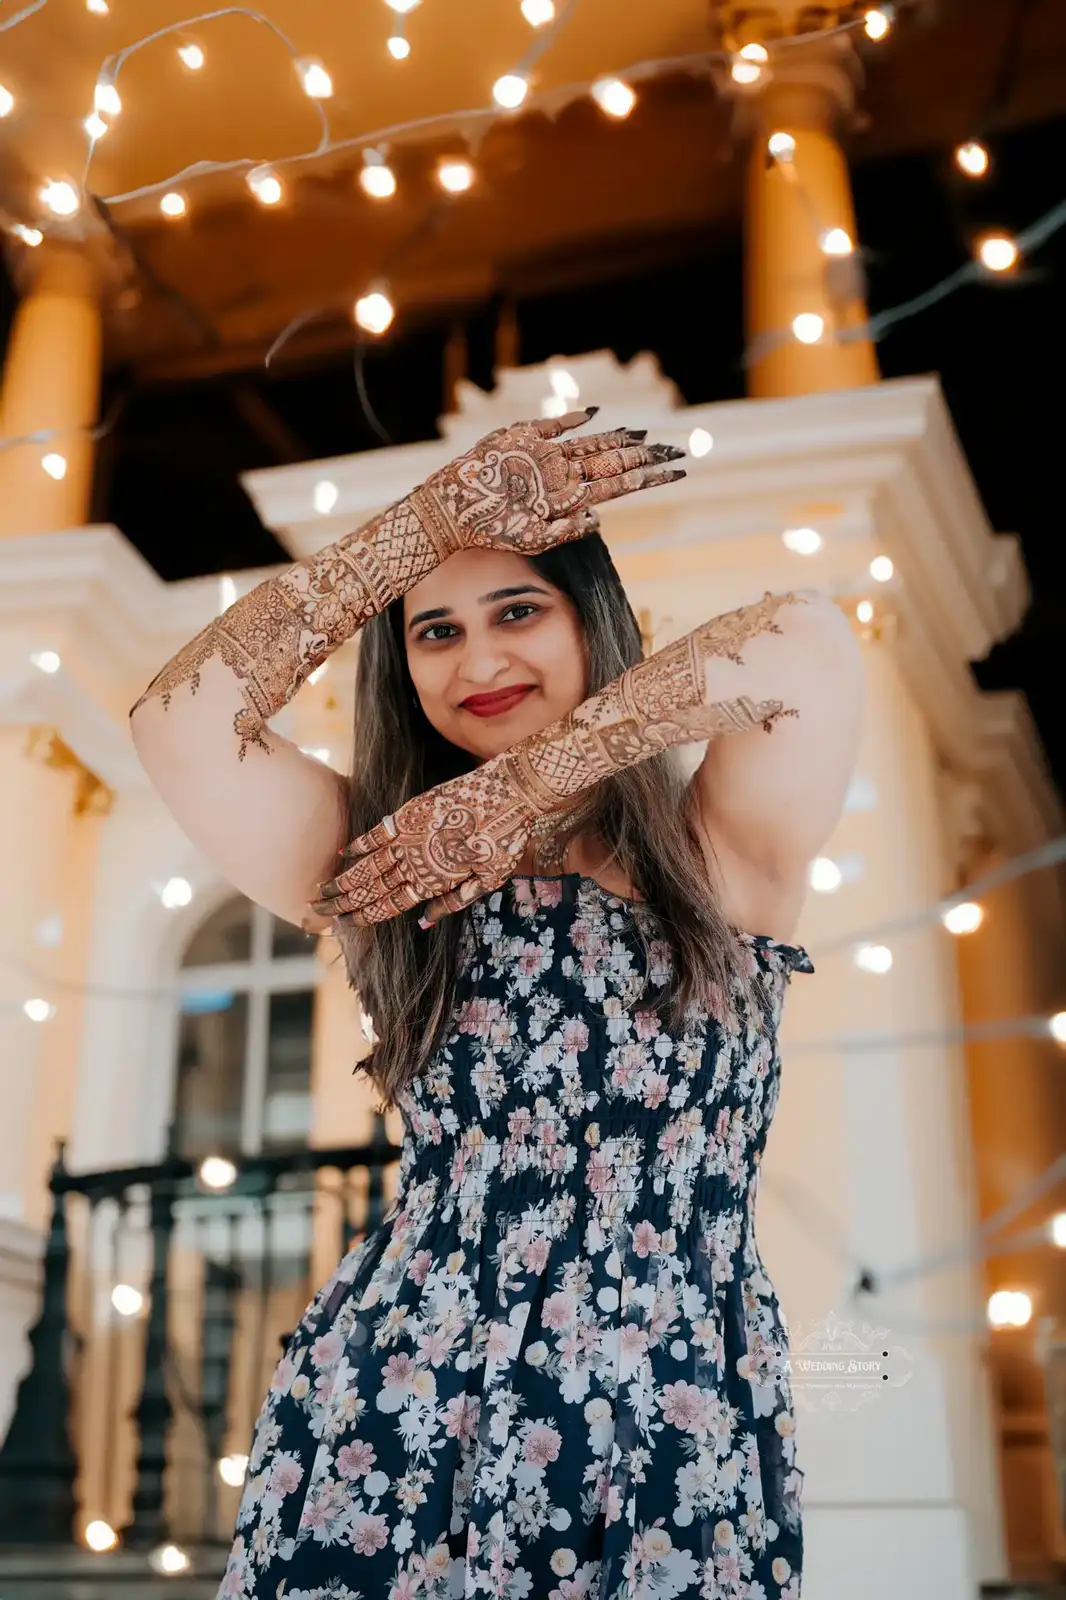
[[378, 838], [596, 444], [576, 526], [457, 899], [366, 910], [633, 481], [613, 463], [552, 427]]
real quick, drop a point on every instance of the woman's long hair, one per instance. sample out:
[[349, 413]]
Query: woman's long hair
[[405, 975]]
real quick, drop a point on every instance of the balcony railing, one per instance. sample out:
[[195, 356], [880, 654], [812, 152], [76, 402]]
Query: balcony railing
[[165, 1305]]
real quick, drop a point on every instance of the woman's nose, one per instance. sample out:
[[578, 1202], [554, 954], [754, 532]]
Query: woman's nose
[[482, 661]]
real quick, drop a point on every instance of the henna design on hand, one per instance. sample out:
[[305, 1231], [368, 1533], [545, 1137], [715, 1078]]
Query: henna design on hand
[[523, 488], [462, 838]]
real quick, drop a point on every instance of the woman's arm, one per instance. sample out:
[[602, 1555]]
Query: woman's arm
[[269, 817], [770, 673]]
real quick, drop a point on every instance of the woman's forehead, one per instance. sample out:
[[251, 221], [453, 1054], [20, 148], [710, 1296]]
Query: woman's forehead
[[468, 576]]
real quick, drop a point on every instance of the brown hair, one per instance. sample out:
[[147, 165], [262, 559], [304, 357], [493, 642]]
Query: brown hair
[[405, 975]]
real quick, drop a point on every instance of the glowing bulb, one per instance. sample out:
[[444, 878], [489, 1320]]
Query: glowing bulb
[[106, 99], [808, 327], [324, 497], [94, 125], [824, 876], [126, 1300], [748, 63], [455, 176], [864, 612], [176, 892], [99, 8], [802, 541], [217, 1173], [875, 958], [836, 242], [377, 179], [1057, 1026], [192, 56], [30, 236], [782, 146], [538, 13], [881, 569], [46, 660], [318, 85], [399, 49], [510, 90], [7, 102], [966, 917], [100, 1536], [972, 158], [172, 204], [374, 312], [266, 187], [877, 21], [232, 1470], [700, 442], [60, 198], [55, 465], [39, 1010], [1009, 1308], [1057, 1229], [403, 6], [614, 97], [997, 252], [168, 1560]]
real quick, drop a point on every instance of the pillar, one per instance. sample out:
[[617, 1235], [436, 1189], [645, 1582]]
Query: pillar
[[51, 381], [789, 207]]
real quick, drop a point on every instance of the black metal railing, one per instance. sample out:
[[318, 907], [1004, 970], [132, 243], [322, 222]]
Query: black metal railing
[[164, 1307]]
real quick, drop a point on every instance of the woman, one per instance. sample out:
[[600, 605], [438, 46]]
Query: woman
[[558, 1368]]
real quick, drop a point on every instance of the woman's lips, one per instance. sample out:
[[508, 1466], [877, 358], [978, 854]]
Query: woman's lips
[[492, 705]]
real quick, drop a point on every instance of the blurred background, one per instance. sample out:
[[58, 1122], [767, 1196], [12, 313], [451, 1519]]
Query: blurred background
[[261, 272]]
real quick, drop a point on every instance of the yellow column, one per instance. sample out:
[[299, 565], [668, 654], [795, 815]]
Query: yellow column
[[51, 382], [790, 207]]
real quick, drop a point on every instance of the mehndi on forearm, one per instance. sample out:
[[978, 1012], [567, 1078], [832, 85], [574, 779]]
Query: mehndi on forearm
[[657, 704]]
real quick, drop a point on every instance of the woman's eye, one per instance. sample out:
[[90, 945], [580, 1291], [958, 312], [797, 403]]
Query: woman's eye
[[430, 631], [520, 605]]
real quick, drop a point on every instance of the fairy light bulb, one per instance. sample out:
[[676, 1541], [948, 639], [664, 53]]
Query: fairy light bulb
[[824, 876], [700, 442], [403, 6], [782, 146], [377, 178], [881, 569], [802, 541], [997, 251], [966, 917], [748, 63], [538, 13], [374, 312], [99, 1535], [39, 1010], [99, 8], [55, 465], [60, 198], [972, 158], [317, 83], [266, 187], [878, 21], [614, 97], [510, 90], [31, 236], [864, 612], [7, 102], [173, 204], [875, 958], [399, 49], [1009, 1308], [192, 56], [94, 125], [836, 242], [455, 176], [106, 100], [808, 327], [1057, 1027]]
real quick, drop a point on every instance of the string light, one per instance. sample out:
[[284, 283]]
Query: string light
[[127, 1300], [173, 204], [399, 49], [7, 102], [217, 1172], [233, 1470], [39, 1010], [106, 100], [55, 465], [324, 497], [60, 198], [510, 90], [997, 251], [782, 146], [614, 97], [824, 876], [169, 1560], [802, 541], [374, 312], [265, 186], [403, 6], [192, 56], [46, 661], [881, 569], [877, 21], [94, 125], [176, 892], [747, 64], [972, 158], [1057, 1027], [966, 917], [836, 242], [377, 178], [1009, 1308], [99, 8], [875, 958], [455, 176], [538, 13], [30, 236], [808, 327], [100, 1536], [317, 83], [700, 442], [864, 612]]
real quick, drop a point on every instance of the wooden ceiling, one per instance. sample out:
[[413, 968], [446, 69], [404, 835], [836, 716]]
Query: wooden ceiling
[[558, 198]]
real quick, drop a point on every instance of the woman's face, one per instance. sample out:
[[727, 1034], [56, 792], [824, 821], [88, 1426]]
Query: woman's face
[[486, 621]]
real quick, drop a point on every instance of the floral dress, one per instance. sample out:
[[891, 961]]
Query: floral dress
[[558, 1369]]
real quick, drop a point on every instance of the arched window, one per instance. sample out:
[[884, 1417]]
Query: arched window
[[247, 985]]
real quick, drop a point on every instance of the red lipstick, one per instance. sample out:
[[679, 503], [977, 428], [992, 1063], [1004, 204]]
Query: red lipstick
[[493, 705]]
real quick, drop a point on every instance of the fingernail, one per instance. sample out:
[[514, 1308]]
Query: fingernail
[[637, 435], [424, 922], [678, 472], [668, 452], [590, 411]]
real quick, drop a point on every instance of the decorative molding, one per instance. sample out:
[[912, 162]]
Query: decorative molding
[[92, 797]]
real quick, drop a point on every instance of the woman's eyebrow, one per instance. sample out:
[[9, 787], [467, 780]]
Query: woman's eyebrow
[[484, 600]]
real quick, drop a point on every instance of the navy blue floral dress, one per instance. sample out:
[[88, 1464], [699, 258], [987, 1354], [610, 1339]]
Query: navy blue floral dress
[[557, 1371]]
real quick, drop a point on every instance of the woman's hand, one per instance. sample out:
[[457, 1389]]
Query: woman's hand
[[526, 489], [449, 845]]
